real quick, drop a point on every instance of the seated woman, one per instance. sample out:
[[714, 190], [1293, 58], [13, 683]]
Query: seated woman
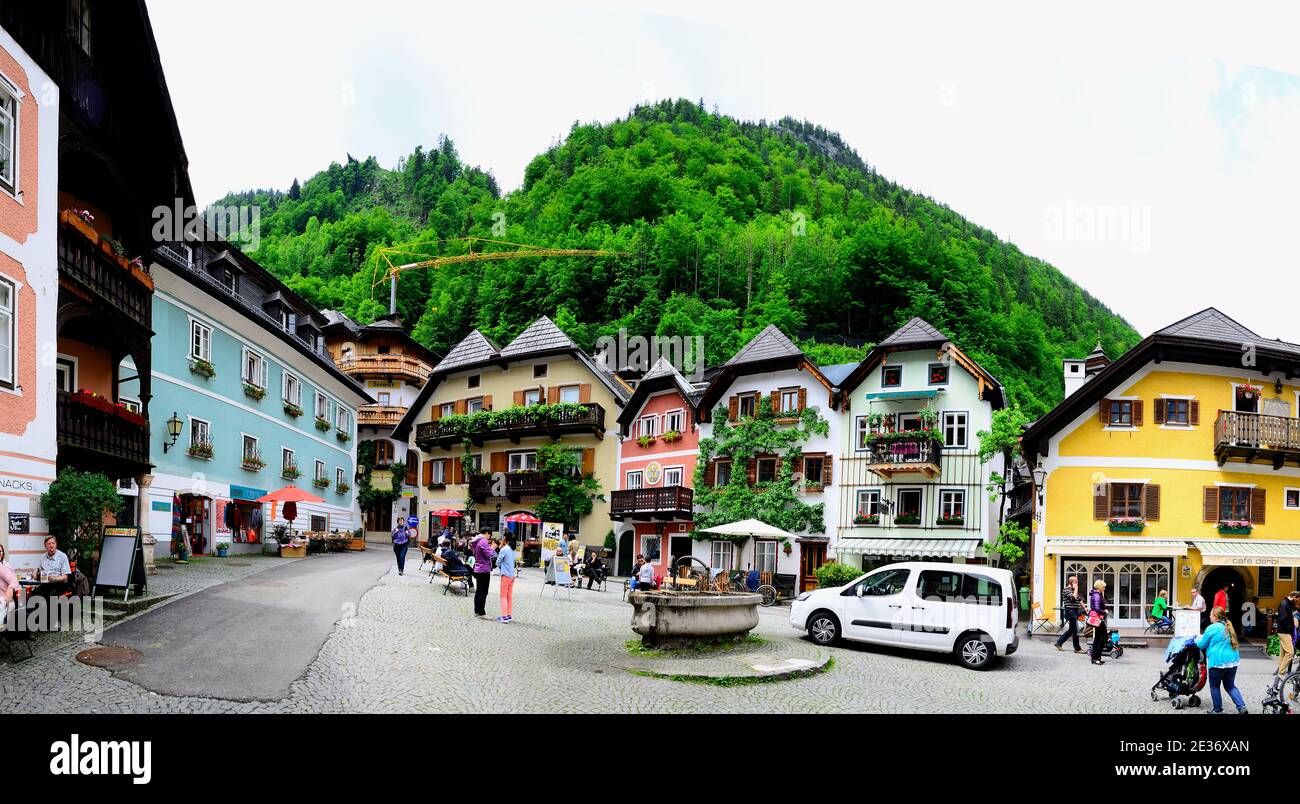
[[1160, 611]]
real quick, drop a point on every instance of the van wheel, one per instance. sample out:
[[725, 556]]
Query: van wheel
[[975, 653], [824, 628]]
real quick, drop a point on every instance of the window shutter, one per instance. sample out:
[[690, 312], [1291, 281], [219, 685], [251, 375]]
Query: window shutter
[[1137, 412], [733, 409], [1194, 412], [264, 373], [1103, 411], [796, 467], [803, 398], [412, 469], [519, 398], [751, 471], [1151, 505], [826, 470], [435, 412], [1257, 506], [457, 471], [462, 405], [584, 393], [589, 461], [1160, 411], [711, 473], [1101, 501], [775, 398], [1211, 508], [499, 462], [487, 402], [428, 472]]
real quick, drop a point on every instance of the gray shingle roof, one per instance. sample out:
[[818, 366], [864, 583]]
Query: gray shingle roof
[[540, 336], [837, 372], [918, 330], [473, 348], [1211, 324], [766, 345]]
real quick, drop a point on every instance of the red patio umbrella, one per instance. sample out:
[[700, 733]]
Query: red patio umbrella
[[290, 496], [526, 519], [444, 513]]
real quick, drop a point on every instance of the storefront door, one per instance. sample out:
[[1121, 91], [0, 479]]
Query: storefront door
[[1132, 585], [194, 515], [811, 556]]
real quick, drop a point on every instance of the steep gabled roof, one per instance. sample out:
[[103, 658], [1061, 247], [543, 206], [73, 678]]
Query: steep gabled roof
[[473, 348], [769, 344], [920, 334], [540, 336], [918, 331], [661, 377]]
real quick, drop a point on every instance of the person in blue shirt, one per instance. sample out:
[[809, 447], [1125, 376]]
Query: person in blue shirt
[[1223, 655], [401, 543], [506, 564]]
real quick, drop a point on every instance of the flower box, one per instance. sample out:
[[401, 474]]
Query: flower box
[[322, 424], [253, 464], [646, 440], [342, 488], [950, 521], [907, 519], [81, 220], [203, 451], [292, 410], [671, 436], [254, 391], [102, 403], [203, 368], [1235, 528], [342, 436], [290, 473], [873, 519], [320, 482], [287, 551], [1126, 525]]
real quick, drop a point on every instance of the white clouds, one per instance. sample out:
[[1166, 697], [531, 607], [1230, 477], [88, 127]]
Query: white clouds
[[1004, 112]]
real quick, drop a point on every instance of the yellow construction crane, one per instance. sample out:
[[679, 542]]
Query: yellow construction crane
[[388, 269]]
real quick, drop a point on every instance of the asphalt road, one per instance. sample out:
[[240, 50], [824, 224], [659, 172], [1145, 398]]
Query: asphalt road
[[250, 639]]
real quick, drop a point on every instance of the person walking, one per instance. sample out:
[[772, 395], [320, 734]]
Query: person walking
[[1221, 599], [506, 565], [1097, 619], [401, 543], [483, 555], [1070, 604], [1223, 655], [1288, 622]]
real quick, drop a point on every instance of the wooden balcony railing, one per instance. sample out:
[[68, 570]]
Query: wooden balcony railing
[[523, 422], [920, 454], [515, 485], [379, 415], [667, 502], [1255, 437], [103, 278], [101, 437], [390, 365]]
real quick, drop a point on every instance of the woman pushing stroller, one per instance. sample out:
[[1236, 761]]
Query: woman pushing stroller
[[1222, 654]]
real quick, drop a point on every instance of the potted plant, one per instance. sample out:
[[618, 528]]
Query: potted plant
[[203, 368], [1127, 524], [292, 410], [1248, 392], [254, 391], [322, 424], [866, 519], [223, 549], [1234, 527], [201, 449]]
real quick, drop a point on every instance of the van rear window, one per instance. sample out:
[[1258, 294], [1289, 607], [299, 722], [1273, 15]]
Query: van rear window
[[982, 591]]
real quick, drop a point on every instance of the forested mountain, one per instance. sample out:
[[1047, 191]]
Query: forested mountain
[[729, 226]]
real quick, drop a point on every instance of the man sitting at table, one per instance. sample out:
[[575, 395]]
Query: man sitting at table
[[56, 572]]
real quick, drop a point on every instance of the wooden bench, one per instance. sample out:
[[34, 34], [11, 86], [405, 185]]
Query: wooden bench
[[463, 580]]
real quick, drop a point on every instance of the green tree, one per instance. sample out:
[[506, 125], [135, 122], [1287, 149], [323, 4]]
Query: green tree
[[570, 493], [75, 506], [1003, 439]]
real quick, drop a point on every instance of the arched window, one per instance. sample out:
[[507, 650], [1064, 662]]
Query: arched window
[[383, 452]]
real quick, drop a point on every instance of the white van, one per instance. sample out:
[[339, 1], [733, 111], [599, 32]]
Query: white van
[[967, 610]]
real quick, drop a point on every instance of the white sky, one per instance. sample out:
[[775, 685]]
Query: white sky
[[1174, 128]]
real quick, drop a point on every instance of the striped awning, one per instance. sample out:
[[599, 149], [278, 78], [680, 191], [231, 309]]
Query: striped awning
[[1105, 546], [918, 548], [1247, 552], [926, 393]]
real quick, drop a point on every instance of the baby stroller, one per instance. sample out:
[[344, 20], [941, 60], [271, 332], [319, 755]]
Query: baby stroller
[[1185, 676], [1112, 649]]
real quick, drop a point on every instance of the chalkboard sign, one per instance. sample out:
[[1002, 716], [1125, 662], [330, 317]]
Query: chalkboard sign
[[121, 561], [20, 523]]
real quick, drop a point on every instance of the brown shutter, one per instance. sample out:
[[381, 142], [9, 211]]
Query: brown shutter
[[462, 406], [584, 393], [751, 471], [487, 402], [428, 472], [1137, 412], [1257, 506], [1160, 411], [711, 473], [775, 398], [1103, 411], [498, 462], [412, 469], [826, 470], [733, 409], [796, 467], [803, 398], [436, 413], [1101, 501], [1194, 412], [519, 398], [1151, 506], [553, 394], [457, 471], [1210, 512], [589, 461]]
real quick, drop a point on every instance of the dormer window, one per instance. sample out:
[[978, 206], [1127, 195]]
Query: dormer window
[[891, 376]]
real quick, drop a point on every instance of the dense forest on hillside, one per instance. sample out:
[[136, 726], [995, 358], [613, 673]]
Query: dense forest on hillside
[[728, 226]]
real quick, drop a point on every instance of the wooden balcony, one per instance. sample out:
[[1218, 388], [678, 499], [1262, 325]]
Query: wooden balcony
[[920, 455], [97, 440], [1256, 438], [379, 415], [664, 504], [102, 279], [390, 366], [522, 423], [517, 485]]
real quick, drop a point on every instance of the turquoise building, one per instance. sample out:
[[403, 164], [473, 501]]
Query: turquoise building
[[240, 369]]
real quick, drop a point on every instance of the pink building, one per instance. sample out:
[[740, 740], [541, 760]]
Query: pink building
[[654, 499]]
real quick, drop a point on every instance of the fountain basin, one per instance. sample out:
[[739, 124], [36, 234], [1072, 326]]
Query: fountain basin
[[668, 619]]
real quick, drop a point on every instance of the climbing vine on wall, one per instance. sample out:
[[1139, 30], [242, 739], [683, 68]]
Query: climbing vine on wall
[[368, 497]]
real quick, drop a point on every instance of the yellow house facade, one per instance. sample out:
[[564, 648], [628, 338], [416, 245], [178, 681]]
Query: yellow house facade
[[1177, 466], [548, 390]]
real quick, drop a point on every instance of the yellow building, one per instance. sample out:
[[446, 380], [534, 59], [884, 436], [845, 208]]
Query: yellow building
[[1176, 466], [575, 401]]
